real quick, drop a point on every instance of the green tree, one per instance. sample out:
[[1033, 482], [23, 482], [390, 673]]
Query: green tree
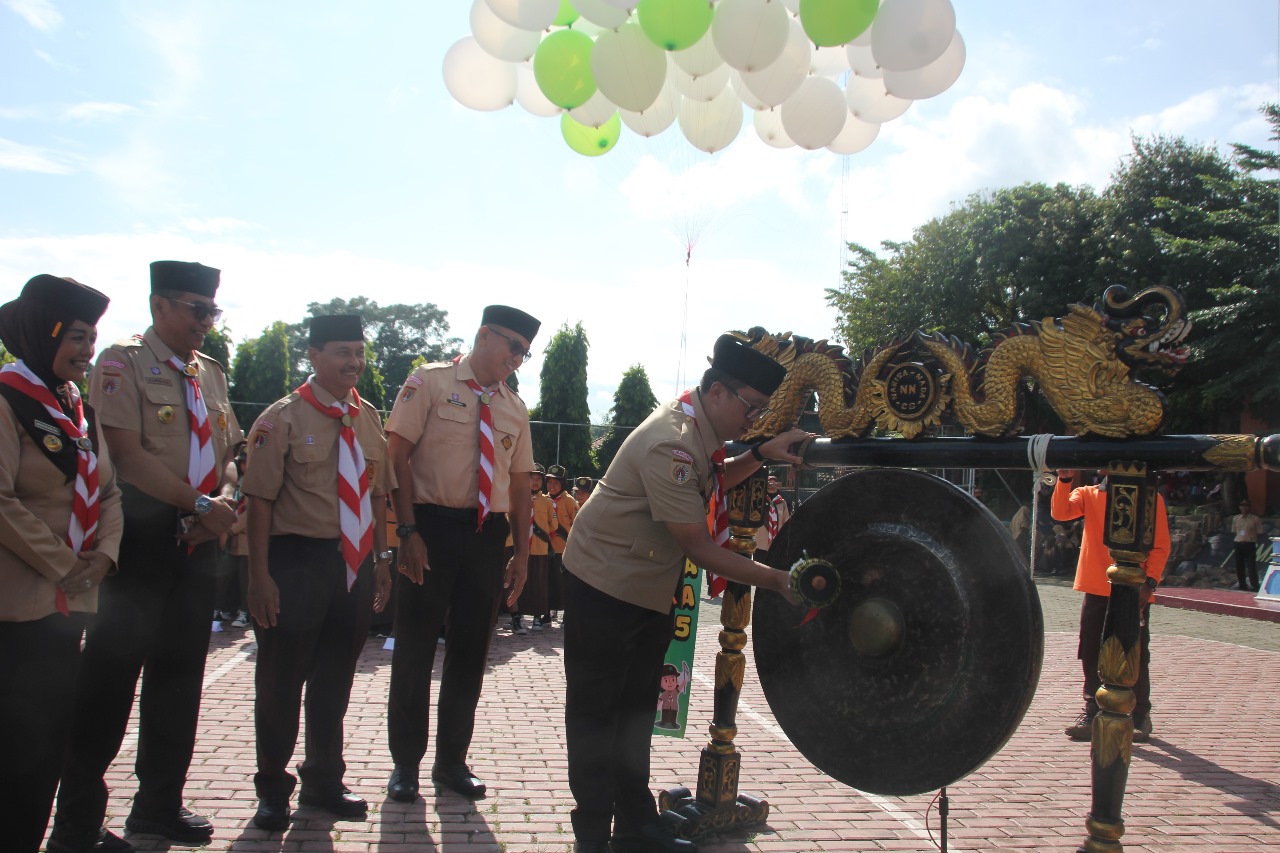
[[633, 401], [217, 345], [260, 374], [6, 357], [371, 386], [1235, 341], [1020, 253], [566, 437], [399, 334]]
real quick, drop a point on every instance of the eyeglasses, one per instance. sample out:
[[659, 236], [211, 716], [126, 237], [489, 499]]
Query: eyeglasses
[[517, 348], [754, 412], [201, 310]]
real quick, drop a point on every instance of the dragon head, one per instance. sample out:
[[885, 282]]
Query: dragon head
[[1149, 327]]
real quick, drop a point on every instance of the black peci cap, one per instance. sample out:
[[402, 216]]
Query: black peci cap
[[184, 276], [335, 327], [747, 365], [514, 319]]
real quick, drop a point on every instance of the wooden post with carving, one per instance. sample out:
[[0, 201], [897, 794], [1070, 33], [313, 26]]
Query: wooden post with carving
[[718, 805], [1129, 536]]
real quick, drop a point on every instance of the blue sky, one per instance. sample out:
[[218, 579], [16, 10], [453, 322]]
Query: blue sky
[[310, 150]]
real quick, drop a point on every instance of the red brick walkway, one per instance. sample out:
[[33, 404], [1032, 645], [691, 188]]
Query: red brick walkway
[[1208, 781]]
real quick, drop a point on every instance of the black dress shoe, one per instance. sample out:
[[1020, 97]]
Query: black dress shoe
[[340, 802], [653, 837], [459, 778], [109, 842], [105, 842], [182, 825], [403, 784], [272, 815]]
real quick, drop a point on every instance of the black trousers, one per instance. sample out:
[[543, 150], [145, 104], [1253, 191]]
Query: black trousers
[[1093, 612], [1247, 565], [613, 653], [153, 621], [463, 586], [317, 639], [38, 664]]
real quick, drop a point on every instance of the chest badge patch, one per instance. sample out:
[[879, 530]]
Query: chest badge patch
[[680, 472], [53, 443], [155, 371], [165, 414], [311, 439], [506, 442], [222, 421]]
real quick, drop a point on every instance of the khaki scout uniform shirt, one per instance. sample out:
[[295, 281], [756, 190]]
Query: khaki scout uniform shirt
[[35, 513], [566, 510], [620, 544], [293, 461], [543, 518], [440, 415], [134, 388]]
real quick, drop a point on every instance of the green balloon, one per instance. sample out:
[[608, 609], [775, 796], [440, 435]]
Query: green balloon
[[674, 24], [590, 141], [562, 68], [832, 22], [566, 16]]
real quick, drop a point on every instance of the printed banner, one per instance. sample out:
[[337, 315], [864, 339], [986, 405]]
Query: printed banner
[[677, 671]]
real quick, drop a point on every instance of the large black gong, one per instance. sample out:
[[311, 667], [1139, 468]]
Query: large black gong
[[923, 667]]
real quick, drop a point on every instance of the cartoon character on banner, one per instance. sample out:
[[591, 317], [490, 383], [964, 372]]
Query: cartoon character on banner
[[673, 682]]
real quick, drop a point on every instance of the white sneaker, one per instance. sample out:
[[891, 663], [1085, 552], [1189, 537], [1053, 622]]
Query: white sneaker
[[241, 620]]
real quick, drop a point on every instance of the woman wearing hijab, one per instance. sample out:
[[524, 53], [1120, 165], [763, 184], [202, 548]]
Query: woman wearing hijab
[[60, 525]]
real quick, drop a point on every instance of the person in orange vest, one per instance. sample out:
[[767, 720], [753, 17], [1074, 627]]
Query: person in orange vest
[[1090, 503]]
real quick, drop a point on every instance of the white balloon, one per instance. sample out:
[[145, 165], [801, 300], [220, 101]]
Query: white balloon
[[659, 116], [500, 39], [601, 13], [768, 124], [744, 94], [532, 15], [621, 4], [711, 125], [815, 113], [702, 58], [476, 79], [793, 6], [909, 34], [529, 96], [628, 67], [869, 101], [596, 111], [829, 61], [854, 136], [934, 79], [772, 85], [704, 87], [750, 34], [584, 26], [861, 61]]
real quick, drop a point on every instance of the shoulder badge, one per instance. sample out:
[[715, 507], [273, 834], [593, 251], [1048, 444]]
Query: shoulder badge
[[506, 442], [110, 383], [680, 473], [259, 439], [681, 455], [108, 362]]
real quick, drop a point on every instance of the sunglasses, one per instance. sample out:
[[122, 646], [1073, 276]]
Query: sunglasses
[[200, 310], [517, 348]]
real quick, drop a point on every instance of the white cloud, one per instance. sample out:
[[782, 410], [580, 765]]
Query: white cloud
[[40, 14], [216, 226], [90, 111], [17, 157]]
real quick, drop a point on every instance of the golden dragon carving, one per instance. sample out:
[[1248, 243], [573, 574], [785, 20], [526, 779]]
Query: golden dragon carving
[[1084, 363]]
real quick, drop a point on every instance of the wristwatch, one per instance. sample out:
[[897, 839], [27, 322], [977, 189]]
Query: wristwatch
[[204, 503], [385, 556], [1151, 582], [403, 530]]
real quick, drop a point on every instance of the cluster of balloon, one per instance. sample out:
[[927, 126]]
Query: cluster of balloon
[[813, 73]]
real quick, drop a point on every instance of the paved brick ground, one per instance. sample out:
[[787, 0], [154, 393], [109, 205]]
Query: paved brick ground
[[1209, 780]]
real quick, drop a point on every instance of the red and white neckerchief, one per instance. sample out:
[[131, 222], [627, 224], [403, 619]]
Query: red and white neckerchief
[[718, 505], [202, 474], [84, 505], [486, 444], [355, 511], [774, 520]]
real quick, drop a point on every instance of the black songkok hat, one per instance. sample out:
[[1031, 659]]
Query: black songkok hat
[[184, 276], [747, 365], [514, 319], [335, 327]]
